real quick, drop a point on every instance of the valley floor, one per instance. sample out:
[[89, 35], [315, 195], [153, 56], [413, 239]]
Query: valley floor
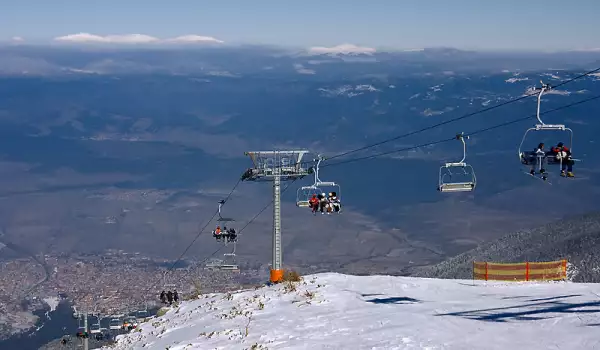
[[335, 311]]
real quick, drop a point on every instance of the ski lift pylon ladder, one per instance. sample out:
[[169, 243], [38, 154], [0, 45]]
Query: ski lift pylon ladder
[[446, 169], [528, 158], [303, 194]]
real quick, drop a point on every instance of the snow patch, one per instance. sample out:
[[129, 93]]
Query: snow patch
[[437, 87], [344, 49], [365, 88], [430, 112], [514, 80], [552, 76], [531, 91], [338, 311], [348, 90], [301, 70]]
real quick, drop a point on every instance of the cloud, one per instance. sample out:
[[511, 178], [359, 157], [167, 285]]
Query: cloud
[[192, 38], [342, 49], [133, 39], [301, 70], [17, 39], [117, 39]]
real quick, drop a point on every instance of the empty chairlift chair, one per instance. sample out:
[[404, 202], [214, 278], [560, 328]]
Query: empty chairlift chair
[[462, 170]]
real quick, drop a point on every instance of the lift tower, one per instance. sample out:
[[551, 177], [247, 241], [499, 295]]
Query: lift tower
[[276, 166]]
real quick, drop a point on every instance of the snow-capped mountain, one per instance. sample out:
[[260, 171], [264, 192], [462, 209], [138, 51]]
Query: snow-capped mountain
[[336, 311]]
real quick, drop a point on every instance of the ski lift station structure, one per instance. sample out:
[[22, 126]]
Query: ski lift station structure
[[276, 166]]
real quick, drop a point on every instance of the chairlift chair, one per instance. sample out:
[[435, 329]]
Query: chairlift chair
[[305, 193], [114, 324], [166, 285], [95, 328], [141, 315], [466, 169], [528, 158], [233, 265]]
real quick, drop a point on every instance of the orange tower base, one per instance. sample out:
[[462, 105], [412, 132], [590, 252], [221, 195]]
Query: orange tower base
[[276, 276]]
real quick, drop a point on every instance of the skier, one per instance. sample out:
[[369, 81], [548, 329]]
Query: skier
[[163, 297], [539, 155], [563, 154], [170, 297], [175, 296]]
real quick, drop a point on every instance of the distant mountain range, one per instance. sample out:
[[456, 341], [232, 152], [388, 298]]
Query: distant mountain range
[[234, 61]]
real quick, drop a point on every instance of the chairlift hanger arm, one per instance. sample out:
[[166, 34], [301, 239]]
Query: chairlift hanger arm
[[544, 88], [462, 137]]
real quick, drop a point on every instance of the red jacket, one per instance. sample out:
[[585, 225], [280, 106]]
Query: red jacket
[[555, 150]]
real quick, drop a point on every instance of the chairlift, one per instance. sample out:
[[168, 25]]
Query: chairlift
[[305, 193], [81, 329], [95, 327], [229, 256], [114, 324], [141, 315], [529, 158], [465, 170], [130, 322], [167, 286], [220, 264]]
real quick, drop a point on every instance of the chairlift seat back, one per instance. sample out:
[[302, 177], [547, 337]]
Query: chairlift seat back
[[528, 158]]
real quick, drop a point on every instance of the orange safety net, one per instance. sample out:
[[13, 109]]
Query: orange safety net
[[526, 271]]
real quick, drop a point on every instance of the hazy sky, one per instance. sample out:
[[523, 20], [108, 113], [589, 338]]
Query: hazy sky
[[487, 24]]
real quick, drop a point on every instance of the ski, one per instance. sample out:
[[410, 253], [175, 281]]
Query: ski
[[539, 178]]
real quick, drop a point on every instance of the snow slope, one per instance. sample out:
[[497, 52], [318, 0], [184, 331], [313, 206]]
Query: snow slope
[[335, 311]]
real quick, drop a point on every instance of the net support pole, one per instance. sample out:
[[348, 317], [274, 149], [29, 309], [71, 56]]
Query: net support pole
[[486, 271]]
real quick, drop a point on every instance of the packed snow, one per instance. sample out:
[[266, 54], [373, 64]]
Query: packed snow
[[336, 311]]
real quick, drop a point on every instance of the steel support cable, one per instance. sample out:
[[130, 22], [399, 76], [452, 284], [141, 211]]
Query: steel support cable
[[199, 233], [454, 138], [468, 115], [249, 222]]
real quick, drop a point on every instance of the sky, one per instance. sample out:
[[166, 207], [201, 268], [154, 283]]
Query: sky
[[399, 24]]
